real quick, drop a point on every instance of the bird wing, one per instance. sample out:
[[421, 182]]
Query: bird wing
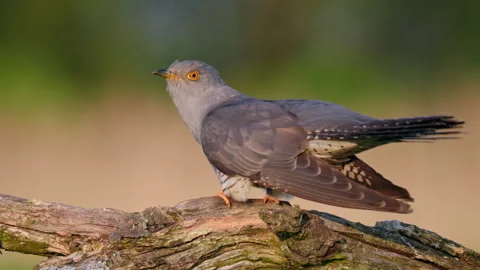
[[238, 137], [265, 142]]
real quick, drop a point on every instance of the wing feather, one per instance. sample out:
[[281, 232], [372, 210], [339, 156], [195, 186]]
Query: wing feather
[[265, 142]]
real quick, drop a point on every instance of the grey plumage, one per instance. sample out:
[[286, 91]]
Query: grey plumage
[[304, 148]]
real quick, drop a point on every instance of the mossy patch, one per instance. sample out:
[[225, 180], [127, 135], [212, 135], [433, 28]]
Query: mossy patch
[[334, 258], [13, 242]]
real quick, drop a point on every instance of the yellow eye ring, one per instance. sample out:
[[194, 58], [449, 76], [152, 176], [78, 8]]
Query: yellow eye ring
[[193, 75]]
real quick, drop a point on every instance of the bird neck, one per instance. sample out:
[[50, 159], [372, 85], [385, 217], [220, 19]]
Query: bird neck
[[193, 107]]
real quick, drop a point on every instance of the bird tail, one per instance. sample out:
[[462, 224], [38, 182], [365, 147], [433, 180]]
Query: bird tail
[[424, 128]]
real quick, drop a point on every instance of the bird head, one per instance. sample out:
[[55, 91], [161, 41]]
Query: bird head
[[188, 75], [195, 88]]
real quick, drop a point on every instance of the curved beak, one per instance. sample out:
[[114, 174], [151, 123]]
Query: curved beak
[[163, 73]]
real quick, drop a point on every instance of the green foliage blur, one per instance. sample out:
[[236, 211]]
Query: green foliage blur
[[66, 53]]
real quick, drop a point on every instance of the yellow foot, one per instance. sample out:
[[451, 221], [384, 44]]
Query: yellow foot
[[272, 199], [225, 198]]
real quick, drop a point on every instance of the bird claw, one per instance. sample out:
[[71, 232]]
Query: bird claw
[[225, 198], [272, 199]]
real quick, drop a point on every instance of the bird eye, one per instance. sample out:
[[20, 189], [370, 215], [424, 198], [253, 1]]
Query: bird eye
[[193, 75]]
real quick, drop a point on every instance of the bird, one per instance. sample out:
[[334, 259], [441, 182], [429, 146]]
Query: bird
[[293, 147]]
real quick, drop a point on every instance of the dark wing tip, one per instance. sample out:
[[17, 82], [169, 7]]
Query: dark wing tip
[[360, 172], [406, 198]]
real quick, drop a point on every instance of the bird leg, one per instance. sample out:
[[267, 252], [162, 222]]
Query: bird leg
[[268, 198], [225, 198]]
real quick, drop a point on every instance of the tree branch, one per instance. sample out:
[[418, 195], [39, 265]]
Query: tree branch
[[205, 234]]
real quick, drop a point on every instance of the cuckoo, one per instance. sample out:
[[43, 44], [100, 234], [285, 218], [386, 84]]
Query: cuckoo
[[293, 147]]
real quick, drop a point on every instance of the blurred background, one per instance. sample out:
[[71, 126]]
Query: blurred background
[[83, 121]]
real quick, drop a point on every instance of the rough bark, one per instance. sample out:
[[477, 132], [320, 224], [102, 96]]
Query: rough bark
[[205, 234]]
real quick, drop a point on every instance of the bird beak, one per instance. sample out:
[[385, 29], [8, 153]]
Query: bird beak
[[164, 73]]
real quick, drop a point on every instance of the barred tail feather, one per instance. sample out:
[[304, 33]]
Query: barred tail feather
[[400, 129]]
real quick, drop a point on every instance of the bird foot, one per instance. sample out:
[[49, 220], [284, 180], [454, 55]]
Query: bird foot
[[272, 199], [225, 198]]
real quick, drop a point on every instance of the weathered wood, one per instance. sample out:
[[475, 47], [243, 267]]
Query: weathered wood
[[205, 234]]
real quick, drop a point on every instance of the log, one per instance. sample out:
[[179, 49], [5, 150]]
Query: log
[[204, 234]]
